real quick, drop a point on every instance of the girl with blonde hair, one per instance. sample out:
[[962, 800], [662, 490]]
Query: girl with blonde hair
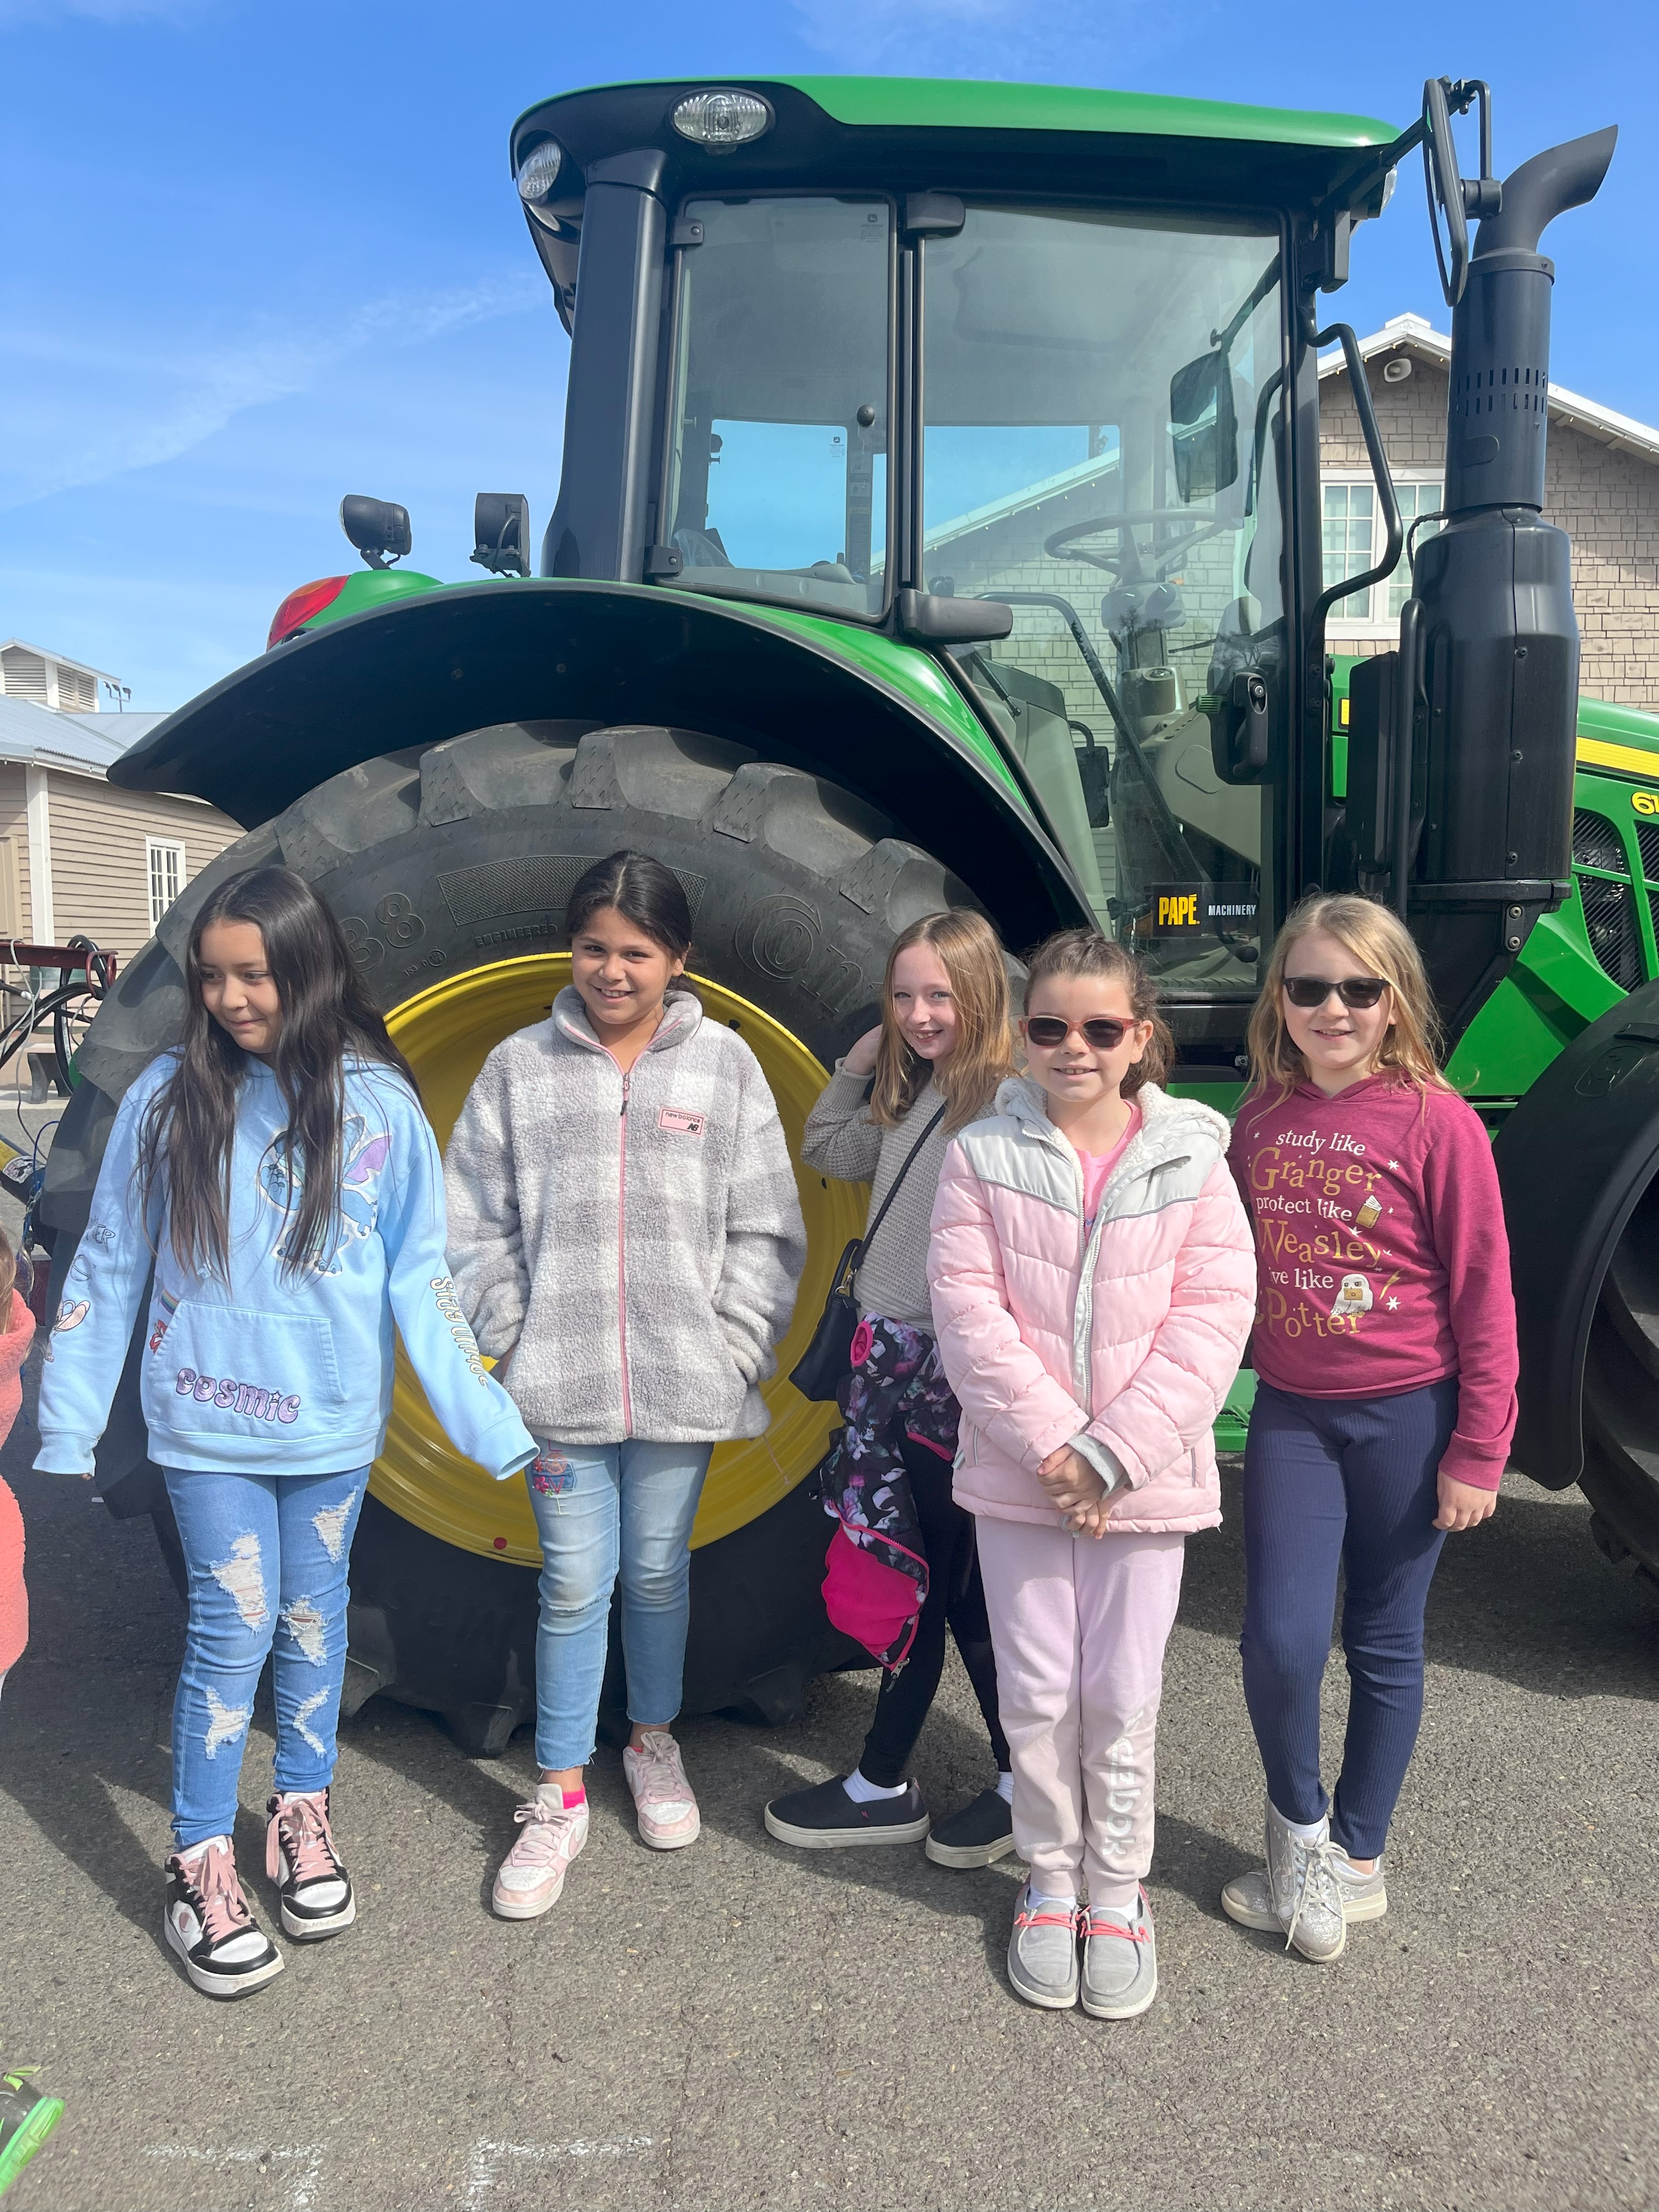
[[932, 1066], [1385, 1353]]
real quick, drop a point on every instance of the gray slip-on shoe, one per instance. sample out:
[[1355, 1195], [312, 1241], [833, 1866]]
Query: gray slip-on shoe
[[1120, 1962], [1042, 1951]]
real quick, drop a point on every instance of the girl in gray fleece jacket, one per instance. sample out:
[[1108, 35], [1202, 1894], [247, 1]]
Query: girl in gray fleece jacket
[[626, 1240]]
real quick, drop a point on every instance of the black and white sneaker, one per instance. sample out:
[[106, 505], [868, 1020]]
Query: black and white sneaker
[[979, 1835], [208, 1922], [309, 1873], [827, 1820]]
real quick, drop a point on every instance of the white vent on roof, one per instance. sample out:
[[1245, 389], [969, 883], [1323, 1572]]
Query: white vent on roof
[[77, 690], [23, 675]]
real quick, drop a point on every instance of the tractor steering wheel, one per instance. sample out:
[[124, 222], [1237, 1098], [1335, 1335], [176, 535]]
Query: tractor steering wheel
[[1126, 562]]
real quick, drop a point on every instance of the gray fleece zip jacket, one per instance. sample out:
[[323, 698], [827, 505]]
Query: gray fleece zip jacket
[[635, 1242]]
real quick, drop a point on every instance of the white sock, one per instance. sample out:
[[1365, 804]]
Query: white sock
[[866, 1793], [1060, 1900], [1309, 1831], [1006, 1787]]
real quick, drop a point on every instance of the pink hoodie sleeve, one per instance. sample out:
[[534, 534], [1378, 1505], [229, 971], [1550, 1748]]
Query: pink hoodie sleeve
[[1465, 1211], [1178, 1388], [1000, 1384]]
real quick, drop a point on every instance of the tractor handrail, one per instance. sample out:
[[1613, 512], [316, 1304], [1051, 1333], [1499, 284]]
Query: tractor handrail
[[1342, 334]]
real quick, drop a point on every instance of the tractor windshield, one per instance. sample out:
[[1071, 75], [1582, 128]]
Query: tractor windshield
[[1101, 410], [777, 476]]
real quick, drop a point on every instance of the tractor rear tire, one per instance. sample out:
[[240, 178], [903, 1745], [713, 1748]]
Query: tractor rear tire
[[448, 861]]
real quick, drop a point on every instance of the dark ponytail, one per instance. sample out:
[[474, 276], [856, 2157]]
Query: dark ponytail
[[642, 892]]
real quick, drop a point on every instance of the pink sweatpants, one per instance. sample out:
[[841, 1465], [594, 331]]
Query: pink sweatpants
[[1078, 1625]]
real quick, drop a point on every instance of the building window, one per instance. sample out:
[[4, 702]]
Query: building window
[[166, 876], [1353, 528]]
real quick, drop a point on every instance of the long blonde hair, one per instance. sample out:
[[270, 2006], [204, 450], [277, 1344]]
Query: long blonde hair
[[983, 1055], [1382, 945]]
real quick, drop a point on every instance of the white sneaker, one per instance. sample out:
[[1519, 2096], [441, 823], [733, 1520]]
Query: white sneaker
[[533, 1874], [1299, 1893], [208, 1924], [669, 1819]]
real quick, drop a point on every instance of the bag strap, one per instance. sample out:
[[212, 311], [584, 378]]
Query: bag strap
[[869, 1236]]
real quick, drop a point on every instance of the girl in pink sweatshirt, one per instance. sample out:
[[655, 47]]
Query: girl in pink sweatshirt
[[14, 1341], [1385, 1351], [1091, 1283]]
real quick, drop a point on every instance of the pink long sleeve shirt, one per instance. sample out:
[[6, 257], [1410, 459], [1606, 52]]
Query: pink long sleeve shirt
[[1382, 1261]]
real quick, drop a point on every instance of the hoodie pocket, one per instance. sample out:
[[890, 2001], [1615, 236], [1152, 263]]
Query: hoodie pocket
[[227, 1370]]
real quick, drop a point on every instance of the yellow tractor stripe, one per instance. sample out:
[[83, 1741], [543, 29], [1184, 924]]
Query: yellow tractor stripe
[[1595, 753]]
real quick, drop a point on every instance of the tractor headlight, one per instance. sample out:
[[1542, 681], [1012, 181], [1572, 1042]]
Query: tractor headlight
[[538, 173], [720, 120]]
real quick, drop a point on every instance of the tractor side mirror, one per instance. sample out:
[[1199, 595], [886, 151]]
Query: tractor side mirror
[[1204, 427], [378, 528], [500, 530]]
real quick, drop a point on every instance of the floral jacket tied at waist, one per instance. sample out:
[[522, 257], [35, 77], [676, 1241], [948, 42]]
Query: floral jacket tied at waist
[[876, 1583]]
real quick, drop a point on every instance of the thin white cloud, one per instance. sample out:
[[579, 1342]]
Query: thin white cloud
[[146, 406], [1061, 41], [105, 11]]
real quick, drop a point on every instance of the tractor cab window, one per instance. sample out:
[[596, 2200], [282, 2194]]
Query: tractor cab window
[[1103, 411], [777, 471]]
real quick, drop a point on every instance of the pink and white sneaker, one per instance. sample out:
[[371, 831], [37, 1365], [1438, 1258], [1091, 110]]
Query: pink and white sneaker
[[302, 1859], [533, 1874], [208, 1922], [669, 1819]]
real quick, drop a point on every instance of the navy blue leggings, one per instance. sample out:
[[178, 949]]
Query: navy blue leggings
[[1346, 1482]]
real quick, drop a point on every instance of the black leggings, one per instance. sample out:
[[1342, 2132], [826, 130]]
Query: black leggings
[[955, 1600]]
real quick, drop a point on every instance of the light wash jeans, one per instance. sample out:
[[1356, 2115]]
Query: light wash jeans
[[264, 1554], [599, 1509]]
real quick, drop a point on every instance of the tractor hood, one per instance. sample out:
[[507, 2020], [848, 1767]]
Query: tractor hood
[[864, 712]]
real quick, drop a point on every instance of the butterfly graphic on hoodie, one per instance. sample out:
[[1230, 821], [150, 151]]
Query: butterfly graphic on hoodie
[[365, 1151]]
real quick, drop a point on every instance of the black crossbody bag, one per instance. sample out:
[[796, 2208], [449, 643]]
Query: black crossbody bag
[[827, 1361]]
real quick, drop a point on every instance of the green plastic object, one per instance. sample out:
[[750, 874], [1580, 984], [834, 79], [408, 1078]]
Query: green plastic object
[[26, 2118]]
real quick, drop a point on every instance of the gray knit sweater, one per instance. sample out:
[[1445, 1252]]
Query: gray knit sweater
[[636, 1243], [842, 1140]]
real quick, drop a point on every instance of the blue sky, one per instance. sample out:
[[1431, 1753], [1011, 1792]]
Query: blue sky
[[256, 257]]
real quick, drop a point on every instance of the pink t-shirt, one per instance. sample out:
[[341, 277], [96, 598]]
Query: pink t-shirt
[[1097, 1166], [1380, 1254]]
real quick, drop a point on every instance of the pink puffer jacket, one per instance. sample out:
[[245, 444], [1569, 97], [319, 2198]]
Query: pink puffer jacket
[[1125, 1349]]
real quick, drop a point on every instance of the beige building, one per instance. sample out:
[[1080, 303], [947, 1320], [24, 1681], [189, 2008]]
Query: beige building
[[1601, 487], [78, 857]]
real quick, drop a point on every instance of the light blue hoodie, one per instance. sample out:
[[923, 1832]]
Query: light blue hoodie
[[267, 1373]]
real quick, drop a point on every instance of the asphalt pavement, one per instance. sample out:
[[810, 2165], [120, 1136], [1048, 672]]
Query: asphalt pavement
[[739, 2025]]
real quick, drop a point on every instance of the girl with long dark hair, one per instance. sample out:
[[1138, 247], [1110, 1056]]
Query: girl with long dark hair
[[627, 1231], [277, 1170]]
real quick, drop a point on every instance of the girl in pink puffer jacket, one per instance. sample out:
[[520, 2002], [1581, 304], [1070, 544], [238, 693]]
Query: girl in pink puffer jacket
[[1093, 1284]]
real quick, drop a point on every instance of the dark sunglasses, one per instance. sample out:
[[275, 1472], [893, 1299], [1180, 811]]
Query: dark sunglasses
[[1105, 1033], [1359, 991]]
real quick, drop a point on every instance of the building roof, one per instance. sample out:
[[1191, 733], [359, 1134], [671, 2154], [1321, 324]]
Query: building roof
[[85, 744], [1410, 334], [63, 659]]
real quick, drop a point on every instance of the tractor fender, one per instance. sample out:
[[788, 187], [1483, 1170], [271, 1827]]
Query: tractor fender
[[877, 719], [1573, 1160]]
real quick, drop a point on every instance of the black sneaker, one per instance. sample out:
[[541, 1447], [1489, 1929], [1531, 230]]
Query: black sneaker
[[979, 1835], [827, 1820], [207, 1922], [302, 1859]]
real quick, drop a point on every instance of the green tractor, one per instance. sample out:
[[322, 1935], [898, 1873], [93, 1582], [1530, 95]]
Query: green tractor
[[940, 523]]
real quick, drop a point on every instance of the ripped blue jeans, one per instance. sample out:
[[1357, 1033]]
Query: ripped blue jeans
[[266, 1557], [605, 1513]]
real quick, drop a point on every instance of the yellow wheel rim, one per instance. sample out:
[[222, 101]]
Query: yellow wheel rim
[[446, 1033]]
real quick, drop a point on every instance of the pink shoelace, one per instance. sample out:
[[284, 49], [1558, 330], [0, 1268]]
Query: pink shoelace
[[547, 1831], [212, 1879], [661, 1778], [1099, 1924], [301, 1833]]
